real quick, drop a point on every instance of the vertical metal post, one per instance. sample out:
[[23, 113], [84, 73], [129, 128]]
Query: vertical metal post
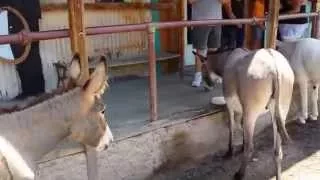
[[153, 95]]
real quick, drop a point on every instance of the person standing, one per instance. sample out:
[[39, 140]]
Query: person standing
[[232, 35], [30, 71], [258, 29], [292, 29], [205, 38]]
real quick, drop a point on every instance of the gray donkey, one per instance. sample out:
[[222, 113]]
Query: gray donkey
[[26, 135], [252, 82]]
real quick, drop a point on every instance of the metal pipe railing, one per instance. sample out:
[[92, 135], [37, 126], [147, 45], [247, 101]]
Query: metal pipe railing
[[55, 34], [150, 27]]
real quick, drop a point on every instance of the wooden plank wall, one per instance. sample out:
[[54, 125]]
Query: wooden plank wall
[[119, 45]]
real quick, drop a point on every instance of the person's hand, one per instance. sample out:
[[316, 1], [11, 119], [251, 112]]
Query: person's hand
[[232, 16]]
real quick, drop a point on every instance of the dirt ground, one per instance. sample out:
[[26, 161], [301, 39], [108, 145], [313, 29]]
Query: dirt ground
[[301, 159]]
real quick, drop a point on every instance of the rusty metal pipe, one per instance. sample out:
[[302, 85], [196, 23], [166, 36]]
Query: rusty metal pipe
[[46, 35], [64, 33], [298, 15], [153, 94]]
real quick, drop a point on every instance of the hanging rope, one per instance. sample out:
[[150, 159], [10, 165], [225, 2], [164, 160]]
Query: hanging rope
[[27, 49]]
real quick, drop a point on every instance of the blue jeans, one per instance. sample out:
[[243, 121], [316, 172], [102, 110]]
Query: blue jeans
[[233, 37]]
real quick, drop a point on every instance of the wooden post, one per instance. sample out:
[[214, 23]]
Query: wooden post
[[247, 36], [272, 23], [315, 20], [78, 35], [183, 34]]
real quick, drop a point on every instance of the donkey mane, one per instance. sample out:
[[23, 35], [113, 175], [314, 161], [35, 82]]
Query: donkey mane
[[53, 103], [35, 100]]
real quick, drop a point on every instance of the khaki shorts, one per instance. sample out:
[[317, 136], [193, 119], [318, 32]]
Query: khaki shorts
[[205, 37]]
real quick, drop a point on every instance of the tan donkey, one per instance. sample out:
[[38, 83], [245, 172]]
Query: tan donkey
[[27, 135]]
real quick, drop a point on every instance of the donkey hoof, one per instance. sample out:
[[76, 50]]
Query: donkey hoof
[[228, 154], [238, 176], [313, 118]]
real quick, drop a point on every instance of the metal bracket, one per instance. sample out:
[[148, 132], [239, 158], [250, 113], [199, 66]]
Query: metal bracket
[[151, 28], [254, 20]]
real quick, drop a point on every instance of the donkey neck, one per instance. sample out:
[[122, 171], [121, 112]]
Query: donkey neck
[[35, 131]]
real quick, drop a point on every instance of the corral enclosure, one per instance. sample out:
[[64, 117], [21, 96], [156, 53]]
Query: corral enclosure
[[127, 55], [152, 144]]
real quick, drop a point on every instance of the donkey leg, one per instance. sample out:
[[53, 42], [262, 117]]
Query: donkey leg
[[271, 108], [278, 155], [231, 130], [276, 145], [239, 121], [5, 173], [248, 127], [314, 96], [303, 86]]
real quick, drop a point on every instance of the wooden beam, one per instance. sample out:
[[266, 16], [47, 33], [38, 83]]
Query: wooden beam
[[272, 23], [78, 35]]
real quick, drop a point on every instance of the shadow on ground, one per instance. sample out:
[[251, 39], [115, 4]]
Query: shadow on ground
[[301, 159]]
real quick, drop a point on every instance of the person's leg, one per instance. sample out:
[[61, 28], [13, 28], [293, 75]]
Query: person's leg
[[200, 40], [240, 37], [257, 34], [225, 37], [214, 42], [233, 37], [31, 69]]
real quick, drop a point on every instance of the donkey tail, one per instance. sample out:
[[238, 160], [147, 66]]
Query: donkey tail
[[283, 88]]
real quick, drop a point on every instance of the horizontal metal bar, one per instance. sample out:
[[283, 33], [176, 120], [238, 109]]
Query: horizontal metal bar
[[299, 15], [63, 33], [47, 35]]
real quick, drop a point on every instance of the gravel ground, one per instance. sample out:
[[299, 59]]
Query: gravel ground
[[301, 159]]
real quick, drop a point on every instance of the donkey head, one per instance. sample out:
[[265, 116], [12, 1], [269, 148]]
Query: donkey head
[[212, 68], [91, 127]]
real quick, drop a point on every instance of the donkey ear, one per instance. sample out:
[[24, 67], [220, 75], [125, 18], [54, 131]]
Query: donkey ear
[[98, 79], [74, 68]]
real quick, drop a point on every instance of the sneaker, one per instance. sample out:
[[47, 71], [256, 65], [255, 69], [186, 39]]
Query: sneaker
[[219, 100], [197, 79]]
